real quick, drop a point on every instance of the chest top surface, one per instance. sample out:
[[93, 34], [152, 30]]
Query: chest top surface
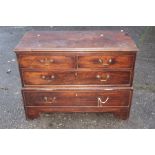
[[76, 41]]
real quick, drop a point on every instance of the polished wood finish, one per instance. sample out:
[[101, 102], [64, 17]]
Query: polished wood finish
[[77, 98], [108, 61], [111, 78], [46, 61], [76, 71]]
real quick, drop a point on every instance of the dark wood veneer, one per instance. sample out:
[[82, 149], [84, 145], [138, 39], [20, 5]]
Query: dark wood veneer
[[76, 71], [108, 61], [109, 78], [46, 61], [112, 98]]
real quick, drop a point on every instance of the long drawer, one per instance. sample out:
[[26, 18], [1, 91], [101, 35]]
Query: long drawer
[[77, 98], [108, 78]]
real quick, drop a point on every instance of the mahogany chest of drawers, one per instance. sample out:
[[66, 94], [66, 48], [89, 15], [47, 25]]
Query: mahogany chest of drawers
[[76, 71]]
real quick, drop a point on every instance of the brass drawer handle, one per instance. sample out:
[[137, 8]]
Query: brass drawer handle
[[100, 61], [110, 61], [50, 77], [49, 99], [46, 61], [101, 78], [105, 64], [76, 74], [100, 102]]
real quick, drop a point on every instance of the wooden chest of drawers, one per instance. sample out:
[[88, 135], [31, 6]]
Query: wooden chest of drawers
[[76, 71]]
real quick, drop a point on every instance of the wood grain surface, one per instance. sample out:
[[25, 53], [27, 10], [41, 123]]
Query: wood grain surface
[[76, 41], [76, 71]]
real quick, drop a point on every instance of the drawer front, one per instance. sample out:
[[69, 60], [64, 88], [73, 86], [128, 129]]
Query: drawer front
[[46, 62], [106, 61], [77, 78], [77, 98]]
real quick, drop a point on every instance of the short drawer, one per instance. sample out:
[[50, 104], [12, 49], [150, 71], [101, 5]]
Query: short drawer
[[46, 61], [108, 78], [106, 61], [77, 98]]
